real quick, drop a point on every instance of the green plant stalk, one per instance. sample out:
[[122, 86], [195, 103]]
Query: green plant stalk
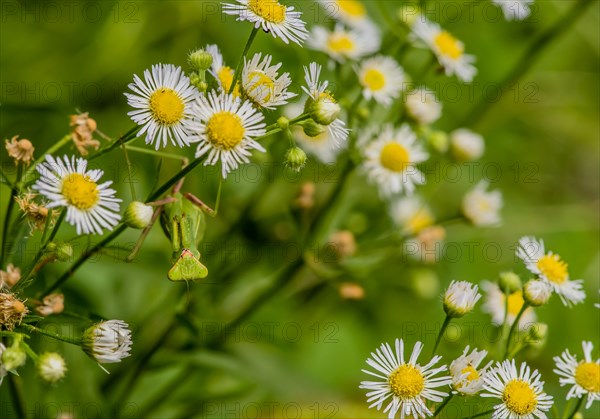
[[123, 139], [447, 321], [478, 415], [577, 407], [16, 392], [11, 203], [238, 69], [513, 327], [441, 406], [33, 329]]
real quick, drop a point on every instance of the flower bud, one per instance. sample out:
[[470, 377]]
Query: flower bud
[[51, 367], [138, 215], [14, 356], [312, 129], [200, 60], [408, 14], [295, 158], [438, 140], [509, 282], [460, 298], [466, 145], [108, 341], [324, 110], [538, 332], [536, 292], [342, 244], [351, 291], [283, 123], [62, 252]]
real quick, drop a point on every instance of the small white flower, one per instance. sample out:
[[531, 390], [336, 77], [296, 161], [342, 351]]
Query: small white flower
[[536, 292], [550, 268], [584, 376], [466, 145], [495, 302], [514, 9], [411, 214], [460, 298], [162, 102], [381, 79], [91, 207], [263, 85], [281, 21], [138, 215], [222, 73], [391, 159], [521, 391], [343, 44], [448, 50], [108, 341], [225, 130], [408, 383], [467, 377], [324, 107], [423, 106], [51, 367], [482, 208]]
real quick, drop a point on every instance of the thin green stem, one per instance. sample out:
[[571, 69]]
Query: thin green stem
[[16, 394], [129, 172], [577, 407], [123, 139], [11, 203], [513, 327], [33, 329], [478, 415], [387, 16], [240, 63], [528, 59], [155, 153], [441, 406], [5, 178], [447, 321]]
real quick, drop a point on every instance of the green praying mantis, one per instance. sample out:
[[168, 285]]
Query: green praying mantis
[[182, 217]]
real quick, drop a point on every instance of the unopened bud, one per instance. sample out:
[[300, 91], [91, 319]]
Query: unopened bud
[[509, 282], [62, 252], [295, 158], [138, 215], [324, 110], [14, 356], [438, 140], [312, 129], [51, 367], [200, 60], [536, 292]]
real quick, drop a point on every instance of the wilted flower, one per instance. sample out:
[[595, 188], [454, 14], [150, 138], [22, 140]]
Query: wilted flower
[[12, 311], [82, 131], [51, 304], [107, 342], [20, 150], [35, 213], [10, 277]]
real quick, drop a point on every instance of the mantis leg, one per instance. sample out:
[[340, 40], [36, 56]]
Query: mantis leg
[[208, 210], [145, 232]]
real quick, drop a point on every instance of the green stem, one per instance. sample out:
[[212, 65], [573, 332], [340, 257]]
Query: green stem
[[513, 327], [577, 407], [5, 178], [11, 203], [129, 173], [17, 396], [478, 415], [447, 321], [441, 406], [33, 329], [123, 139], [154, 153], [528, 58], [240, 63], [387, 16]]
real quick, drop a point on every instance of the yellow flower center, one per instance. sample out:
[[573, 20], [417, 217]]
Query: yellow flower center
[[166, 106], [260, 86], [553, 268], [407, 382], [80, 191], [519, 397], [473, 374], [269, 10], [587, 375], [340, 43], [515, 302], [225, 130], [419, 221], [374, 79], [352, 7], [448, 45], [225, 76], [395, 157]]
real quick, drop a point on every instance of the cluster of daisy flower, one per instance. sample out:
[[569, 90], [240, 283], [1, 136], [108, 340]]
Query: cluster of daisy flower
[[369, 117], [408, 388]]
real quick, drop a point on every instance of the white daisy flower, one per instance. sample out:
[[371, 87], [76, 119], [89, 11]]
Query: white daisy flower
[[482, 208], [163, 103], [222, 73], [514, 9], [262, 84], [343, 44], [460, 298], [281, 21], [351, 12], [324, 108], [108, 341], [408, 383], [320, 143], [467, 377], [466, 145], [449, 51], [411, 214], [584, 376], [91, 207], [550, 268], [381, 78], [521, 391], [225, 129], [391, 159], [423, 106], [495, 303]]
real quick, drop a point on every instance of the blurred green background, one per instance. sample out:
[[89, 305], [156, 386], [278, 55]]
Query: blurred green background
[[301, 351]]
